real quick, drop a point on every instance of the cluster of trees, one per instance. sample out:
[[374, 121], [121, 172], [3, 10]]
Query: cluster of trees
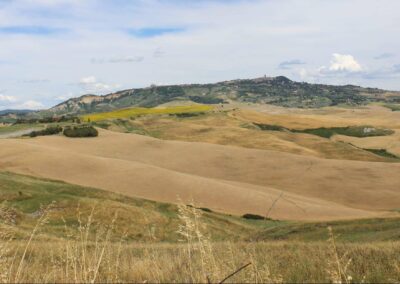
[[75, 131], [81, 131], [53, 119], [48, 131], [254, 217], [206, 100]]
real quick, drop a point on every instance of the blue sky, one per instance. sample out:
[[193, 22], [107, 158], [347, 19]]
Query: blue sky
[[29, 30], [51, 50], [153, 31]]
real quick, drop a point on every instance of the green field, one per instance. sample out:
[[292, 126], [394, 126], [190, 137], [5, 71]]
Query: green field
[[138, 111], [393, 107]]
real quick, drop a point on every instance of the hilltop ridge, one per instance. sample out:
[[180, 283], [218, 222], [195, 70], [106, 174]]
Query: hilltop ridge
[[280, 91]]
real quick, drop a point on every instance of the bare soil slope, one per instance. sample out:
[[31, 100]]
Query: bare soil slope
[[225, 178]]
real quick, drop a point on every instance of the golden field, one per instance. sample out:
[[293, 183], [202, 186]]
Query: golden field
[[278, 262], [146, 165], [337, 180], [56, 232]]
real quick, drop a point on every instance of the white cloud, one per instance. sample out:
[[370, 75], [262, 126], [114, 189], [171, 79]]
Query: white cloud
[[14, 103], [118, 59], [344, 63], [36, 81], [341, 66], [158, 52], [237, 39], [64, 98], [304, 74], [88, 80], [30, 104], [345, 67], [7, 99], [91, 85]]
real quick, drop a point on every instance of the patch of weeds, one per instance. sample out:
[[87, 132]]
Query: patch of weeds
[[393, 107], [354, 131], [270, 127], [325, 132], [383, 153]]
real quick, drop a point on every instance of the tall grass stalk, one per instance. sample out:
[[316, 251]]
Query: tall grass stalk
[[90, 252]]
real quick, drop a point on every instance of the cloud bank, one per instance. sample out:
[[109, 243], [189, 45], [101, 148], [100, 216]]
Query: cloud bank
[[135, 43]]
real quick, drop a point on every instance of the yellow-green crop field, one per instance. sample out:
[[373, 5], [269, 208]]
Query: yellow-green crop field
[[136, 111]]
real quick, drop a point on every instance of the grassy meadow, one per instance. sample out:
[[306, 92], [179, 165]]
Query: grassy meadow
[[56, 232]]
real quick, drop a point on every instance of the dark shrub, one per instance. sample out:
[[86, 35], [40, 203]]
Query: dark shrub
[[253, 217], [48, 131], [188, 114], [355, 131], [270, 127], [205, 209], [206, 100], [383, 153], [82, 131]]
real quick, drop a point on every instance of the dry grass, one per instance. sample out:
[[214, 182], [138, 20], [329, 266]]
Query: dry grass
[[90, 254], [270, 262], [225, 179], [234, 128]]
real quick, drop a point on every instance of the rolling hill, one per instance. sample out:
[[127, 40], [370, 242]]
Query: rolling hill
[[223, 178], [306, 169], [23, 197], [279, 91]]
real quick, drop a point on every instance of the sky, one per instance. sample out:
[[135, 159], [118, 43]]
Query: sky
[[52, 50]]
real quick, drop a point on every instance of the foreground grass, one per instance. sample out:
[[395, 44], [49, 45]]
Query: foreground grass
[[75, 262], [52, 232], [138, 111]]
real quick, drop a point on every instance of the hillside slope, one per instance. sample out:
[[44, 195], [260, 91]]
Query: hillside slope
[[146, 221], [138, 219], [266, 90], [224, 178]]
